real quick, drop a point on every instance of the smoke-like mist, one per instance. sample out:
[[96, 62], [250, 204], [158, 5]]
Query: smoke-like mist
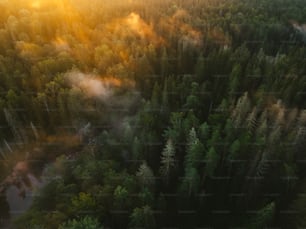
[[93, 86], [103, 88]]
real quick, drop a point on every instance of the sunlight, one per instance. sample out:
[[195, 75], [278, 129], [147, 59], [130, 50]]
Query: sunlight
[[39, 4], [140, 27], [36, 4], [60, 44]]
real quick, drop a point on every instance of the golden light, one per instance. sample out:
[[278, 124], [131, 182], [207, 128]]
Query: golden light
[[60, 44], [36, 4], [140, 27], [42, 4]]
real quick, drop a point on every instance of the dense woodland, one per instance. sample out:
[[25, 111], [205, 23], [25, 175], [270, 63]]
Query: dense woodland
[[189, 113]]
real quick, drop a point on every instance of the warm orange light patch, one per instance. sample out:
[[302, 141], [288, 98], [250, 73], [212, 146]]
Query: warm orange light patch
[[28, 50], [141, 28], [60, 44], [134, 21], [124, 55], [36, 4], [112, 81]]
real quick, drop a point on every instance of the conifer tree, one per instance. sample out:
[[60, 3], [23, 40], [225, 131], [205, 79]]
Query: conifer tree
[[145, 175], [212, 160], [167, 159]]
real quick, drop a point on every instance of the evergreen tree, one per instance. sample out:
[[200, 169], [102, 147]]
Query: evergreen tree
[[155, 100], [194, 152], [167, 159], [142, 218], [192, 101], [212, 160], [83, 223], [234, 149], [235, 80], [121, 197], [191, 182], [204, 131], [263, 217], [241, 110], [145, 175], [176, 130]]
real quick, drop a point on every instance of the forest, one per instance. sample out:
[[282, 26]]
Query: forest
[[153, 113]]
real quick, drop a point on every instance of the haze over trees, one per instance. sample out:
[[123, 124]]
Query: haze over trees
[[151, 114]]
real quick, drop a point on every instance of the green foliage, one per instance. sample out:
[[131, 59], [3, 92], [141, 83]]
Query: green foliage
[[190, 183], [142, 217], [194, 152], [235, 79], [212, 160], [234, 149], [145, 175], [175, 132], [83, 223], [84, 202], [121, 197], [204, 131], [263, 217], [168, 159], [192, 101], [228, 97]]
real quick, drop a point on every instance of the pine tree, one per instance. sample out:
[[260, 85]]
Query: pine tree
[[275, 135], [190, 121], [215, 137], [235, 80], [251, 121], [194, 152], [212, 159], [84, 223], [204, 131], [176, 130], [264, 164], [192, 101], [263, 217], [121, 196], [234, 149], [191, 182], [142, 218], [155, 100], [262, 130], [145, 175], [242, 108], [167, 159]]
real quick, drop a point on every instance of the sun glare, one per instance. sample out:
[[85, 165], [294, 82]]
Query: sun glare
[[36, 4]]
